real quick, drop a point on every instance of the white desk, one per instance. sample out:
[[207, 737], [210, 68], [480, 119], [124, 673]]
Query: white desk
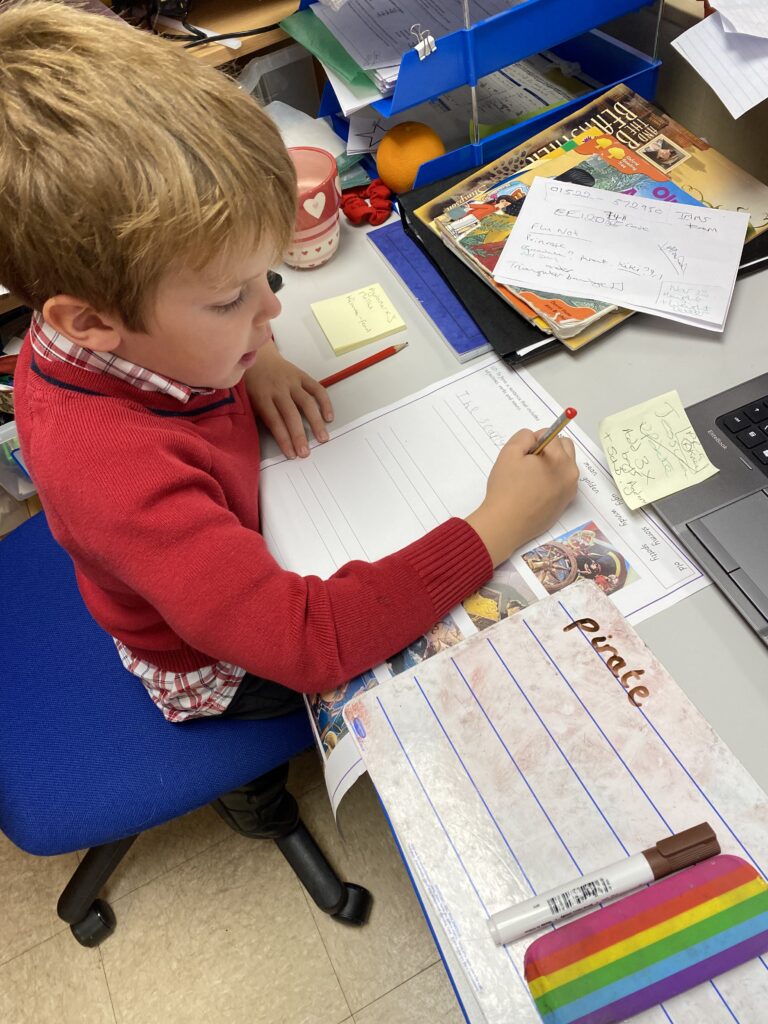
[[702, 641]]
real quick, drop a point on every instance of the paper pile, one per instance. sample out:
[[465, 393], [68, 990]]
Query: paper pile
[[361, 43]]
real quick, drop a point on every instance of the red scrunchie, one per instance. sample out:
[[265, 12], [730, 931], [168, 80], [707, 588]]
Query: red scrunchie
[[371, 203]]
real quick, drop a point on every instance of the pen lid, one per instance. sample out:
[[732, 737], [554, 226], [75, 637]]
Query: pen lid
[[682, 850]]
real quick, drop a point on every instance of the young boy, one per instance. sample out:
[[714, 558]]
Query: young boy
[[143, 198]]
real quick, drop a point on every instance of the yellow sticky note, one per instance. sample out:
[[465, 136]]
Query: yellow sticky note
[[653, 450], [356, 318]]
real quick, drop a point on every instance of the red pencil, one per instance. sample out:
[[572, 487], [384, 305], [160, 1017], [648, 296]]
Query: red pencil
[[363, 364]]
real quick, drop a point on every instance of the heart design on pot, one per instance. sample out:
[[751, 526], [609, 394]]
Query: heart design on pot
[[315, 206]]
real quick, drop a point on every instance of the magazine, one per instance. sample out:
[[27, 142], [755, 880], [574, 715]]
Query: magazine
[[619, 142]]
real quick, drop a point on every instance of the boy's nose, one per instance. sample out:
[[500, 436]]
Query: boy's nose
[[270, 308]]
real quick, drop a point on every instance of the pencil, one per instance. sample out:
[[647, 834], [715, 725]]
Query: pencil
[[561, 421], [363, 364]]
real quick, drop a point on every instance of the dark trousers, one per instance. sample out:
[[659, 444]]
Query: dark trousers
[[261, 698], [261, 809]]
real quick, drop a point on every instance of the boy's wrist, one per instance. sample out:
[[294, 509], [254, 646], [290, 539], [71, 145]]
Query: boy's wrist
[[494, 531]]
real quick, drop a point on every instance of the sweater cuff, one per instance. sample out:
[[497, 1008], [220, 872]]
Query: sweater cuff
[[451, 561]]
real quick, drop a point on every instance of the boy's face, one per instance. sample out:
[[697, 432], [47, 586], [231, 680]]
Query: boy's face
[[203, 333]]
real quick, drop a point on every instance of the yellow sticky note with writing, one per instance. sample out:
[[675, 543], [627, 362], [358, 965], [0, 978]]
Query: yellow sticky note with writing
[[356, 318], [653, 450]]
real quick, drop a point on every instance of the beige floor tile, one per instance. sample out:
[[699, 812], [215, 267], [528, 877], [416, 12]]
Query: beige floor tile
[[426, 999], [164, 848], [30, 888], [57, 982], [396, 943], [225, 937]]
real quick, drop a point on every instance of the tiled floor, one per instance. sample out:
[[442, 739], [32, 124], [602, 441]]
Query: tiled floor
[[215, 929]]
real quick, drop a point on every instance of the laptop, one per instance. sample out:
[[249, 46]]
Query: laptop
[[723, 522]]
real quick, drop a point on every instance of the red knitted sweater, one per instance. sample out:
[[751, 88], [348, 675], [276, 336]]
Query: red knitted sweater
[[156, 502]]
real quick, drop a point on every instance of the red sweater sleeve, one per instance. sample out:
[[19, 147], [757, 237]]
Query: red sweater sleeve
[[164, 531]]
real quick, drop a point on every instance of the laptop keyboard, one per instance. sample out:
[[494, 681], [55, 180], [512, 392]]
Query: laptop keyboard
[[748, 427]]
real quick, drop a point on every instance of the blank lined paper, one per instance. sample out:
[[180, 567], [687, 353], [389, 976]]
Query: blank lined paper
[[733, 64]]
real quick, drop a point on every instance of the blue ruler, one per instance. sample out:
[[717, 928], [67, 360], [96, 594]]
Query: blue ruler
[[429, 288]]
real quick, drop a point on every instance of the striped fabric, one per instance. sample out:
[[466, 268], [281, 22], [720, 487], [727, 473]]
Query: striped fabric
[[651, 946]]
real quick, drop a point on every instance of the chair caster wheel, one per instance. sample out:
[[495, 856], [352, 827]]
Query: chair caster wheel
[[357, 905], [97, 925]]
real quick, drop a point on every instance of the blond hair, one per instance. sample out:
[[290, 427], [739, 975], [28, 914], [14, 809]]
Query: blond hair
[[122, 157]]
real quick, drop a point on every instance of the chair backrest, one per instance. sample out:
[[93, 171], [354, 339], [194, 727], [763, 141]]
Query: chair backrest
[[85, 756]]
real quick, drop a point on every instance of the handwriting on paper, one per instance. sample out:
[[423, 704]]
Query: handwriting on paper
[[357, 317], [671, 259], [653, 450]]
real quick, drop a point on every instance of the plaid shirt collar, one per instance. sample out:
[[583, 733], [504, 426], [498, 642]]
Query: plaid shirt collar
[[50, 344]]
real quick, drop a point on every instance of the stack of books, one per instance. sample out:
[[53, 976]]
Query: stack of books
[[619, 142]]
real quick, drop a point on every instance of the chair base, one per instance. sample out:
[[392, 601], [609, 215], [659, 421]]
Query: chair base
[[262, 810], [90, 919]]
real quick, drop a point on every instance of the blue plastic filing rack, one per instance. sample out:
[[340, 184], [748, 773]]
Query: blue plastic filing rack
[[599, 56], [463, 57]]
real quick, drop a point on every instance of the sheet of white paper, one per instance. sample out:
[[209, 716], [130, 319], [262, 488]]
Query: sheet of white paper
[[377, 33], [299, 129], [735, 66], [351, 98], [3, 291], [386, 479], [747, 16], [672, 260], [516, 762]]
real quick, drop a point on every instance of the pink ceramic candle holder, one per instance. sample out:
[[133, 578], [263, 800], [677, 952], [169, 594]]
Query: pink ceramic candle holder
[[316, 235]]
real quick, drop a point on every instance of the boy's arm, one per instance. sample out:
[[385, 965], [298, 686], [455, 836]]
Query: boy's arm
[[173, 541]]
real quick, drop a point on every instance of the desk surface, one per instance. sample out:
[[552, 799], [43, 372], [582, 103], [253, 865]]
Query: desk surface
[[702, 641]]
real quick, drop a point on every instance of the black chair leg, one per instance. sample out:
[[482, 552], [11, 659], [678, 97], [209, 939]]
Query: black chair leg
[[92, 920], [264, 809], [344, 901]]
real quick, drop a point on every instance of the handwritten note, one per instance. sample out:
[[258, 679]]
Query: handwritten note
[[356, 318], [653, 450], [675, 261]]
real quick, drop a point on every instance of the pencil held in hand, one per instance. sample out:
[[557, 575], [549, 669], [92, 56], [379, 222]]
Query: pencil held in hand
[[554, 430]]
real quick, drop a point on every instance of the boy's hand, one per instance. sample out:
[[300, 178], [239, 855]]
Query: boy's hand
[[280, 393], [525, 493]]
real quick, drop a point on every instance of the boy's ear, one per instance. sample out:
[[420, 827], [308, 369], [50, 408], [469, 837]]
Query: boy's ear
[[81, 323]]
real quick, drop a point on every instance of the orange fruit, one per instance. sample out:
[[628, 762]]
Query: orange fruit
[[403, 150]]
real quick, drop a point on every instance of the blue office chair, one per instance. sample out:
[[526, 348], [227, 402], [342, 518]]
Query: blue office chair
[[87, 760]]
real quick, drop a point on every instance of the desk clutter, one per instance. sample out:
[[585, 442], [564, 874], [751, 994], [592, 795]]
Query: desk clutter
[[622, 144]]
